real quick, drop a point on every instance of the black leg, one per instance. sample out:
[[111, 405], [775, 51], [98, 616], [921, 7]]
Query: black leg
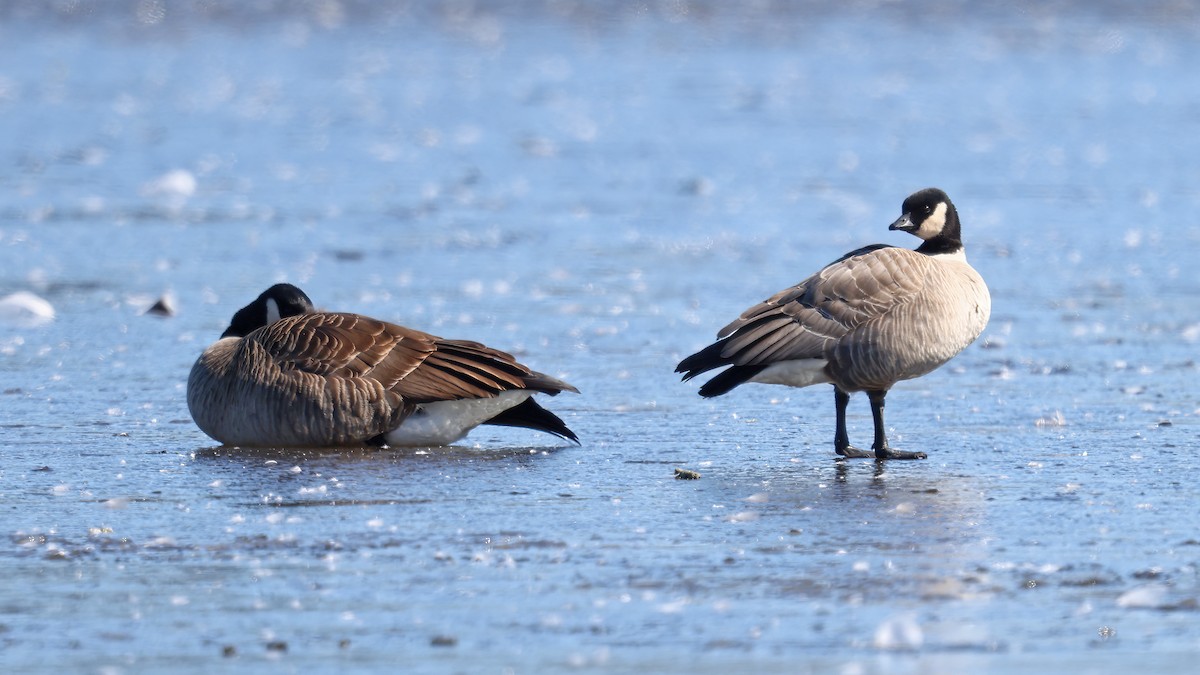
[[841, 439], [881, 448]]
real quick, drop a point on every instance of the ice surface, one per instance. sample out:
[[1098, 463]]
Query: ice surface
[[599, 187]]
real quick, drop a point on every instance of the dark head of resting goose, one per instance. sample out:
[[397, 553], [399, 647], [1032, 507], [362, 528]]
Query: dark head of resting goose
[[874, 317], [284, 374]]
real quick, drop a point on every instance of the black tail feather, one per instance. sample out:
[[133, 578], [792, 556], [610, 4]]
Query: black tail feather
[[530, 415], [703, 361], [710, 358], [727, 379]]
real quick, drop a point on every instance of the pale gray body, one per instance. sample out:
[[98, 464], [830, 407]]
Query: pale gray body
[[240, 395]]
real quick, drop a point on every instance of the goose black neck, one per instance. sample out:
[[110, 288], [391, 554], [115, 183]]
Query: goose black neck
[[940, 245], [949, 240]]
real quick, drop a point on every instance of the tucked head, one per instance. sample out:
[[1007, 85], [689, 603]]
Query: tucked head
[[930, 215], [275, 303]]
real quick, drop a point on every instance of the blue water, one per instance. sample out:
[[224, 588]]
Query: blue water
[[598, 189]]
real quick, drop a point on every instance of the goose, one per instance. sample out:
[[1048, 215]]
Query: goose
[[873, 317], [284, 374]]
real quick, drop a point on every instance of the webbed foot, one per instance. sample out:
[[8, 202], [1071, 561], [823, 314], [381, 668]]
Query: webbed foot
[[851, 452], [890, 453]]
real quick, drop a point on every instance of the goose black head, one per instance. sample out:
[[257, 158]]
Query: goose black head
[[275, 303], [930, 215]]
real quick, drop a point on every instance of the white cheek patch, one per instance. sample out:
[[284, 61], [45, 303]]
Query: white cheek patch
[[933, 224], [272, 311]]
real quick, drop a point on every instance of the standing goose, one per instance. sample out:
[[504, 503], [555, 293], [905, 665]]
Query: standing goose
[[285, 374], [873, 317]]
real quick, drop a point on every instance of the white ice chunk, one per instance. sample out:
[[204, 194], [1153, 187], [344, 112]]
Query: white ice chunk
[[1149, 596], [899, 633], [178, 183], [26, 310]]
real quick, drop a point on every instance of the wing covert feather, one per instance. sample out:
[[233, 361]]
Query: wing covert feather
[[805, 320], [417, 366]]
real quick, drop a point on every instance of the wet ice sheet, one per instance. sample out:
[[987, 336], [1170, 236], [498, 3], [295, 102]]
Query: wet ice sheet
[[598, 194], [597, 557]]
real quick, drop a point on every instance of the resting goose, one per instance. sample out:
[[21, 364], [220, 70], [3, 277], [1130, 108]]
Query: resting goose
[[284, 374], [873, 317]]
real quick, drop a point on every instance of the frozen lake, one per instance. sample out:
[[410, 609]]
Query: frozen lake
[[598, 189]]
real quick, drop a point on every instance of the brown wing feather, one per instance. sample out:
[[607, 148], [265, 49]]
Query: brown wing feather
[[417, 366], [804, 321], [344, 345], [463, 369]]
